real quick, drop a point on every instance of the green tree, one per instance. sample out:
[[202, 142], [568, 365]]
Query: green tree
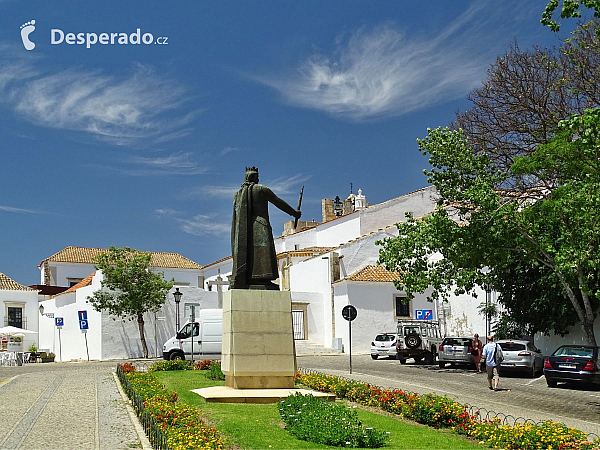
[[570, 8], [130, 288], [553, 228]]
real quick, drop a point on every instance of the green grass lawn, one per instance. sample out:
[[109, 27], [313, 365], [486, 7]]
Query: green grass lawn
[[251, 426]]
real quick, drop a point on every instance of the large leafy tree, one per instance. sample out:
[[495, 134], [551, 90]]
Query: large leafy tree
[[550, 233], [130, 288]]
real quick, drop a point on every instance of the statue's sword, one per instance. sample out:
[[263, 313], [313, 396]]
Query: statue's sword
[[299, 204]]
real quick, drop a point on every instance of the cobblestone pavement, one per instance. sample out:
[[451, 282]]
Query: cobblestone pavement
[[529, 398], [63, 406]]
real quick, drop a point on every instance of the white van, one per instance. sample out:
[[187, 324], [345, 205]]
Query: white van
[[207, 339]]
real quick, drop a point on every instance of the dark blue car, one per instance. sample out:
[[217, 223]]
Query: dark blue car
[[573, 363]]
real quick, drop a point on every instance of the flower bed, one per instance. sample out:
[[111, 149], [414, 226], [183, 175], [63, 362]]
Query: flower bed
[[317, 420], [442, 412], [181, 424]]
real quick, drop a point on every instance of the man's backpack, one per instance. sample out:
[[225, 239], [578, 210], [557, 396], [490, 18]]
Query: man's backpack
[[498, 356]]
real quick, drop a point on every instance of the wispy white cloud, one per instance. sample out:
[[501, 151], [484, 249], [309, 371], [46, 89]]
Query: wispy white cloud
[[142, 106], [227, 150], [198, 225], [182, 163], [280, 186], [19, 210], [385, 72]]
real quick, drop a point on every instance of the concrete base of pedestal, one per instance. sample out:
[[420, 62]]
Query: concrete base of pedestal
[[258, 340], [224, 394]]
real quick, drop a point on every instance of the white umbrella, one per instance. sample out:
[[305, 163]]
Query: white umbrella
[[10, 330]]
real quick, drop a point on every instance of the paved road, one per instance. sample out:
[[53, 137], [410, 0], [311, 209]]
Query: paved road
[[520, 397], [63, 406]]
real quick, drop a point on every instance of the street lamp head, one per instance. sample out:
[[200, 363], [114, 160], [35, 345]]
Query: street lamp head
[[177, 295], [42, 310]]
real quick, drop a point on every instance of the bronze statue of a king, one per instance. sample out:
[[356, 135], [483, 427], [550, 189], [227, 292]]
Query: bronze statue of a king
[[252, 246]]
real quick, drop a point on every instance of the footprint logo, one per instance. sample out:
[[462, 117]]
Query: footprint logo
[[26, 29]]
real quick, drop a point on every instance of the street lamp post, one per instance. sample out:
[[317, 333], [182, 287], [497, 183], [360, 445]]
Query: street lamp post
[[488, 294], [177, 295]]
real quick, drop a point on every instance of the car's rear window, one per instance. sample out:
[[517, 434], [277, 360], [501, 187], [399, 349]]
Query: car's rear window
[[457, 341], [385, 337], [511, 346], [411, 330], [575, 351]]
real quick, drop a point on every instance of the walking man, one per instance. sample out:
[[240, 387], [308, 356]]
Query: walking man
[[491, 365]]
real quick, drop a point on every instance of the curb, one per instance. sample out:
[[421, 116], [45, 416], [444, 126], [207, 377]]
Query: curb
[[133, 417]]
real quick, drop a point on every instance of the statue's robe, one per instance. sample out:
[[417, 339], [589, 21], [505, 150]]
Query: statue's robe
[[252, 246]]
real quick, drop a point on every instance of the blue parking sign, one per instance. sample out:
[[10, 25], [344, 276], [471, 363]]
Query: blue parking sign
[[423, 314], [82, 315], [59, 321], [83, 324]]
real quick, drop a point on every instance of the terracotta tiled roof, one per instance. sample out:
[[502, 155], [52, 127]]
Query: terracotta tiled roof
[[308, 251], [373, 273], [8, 284], [83, 283], [217, 262], [87, 255]]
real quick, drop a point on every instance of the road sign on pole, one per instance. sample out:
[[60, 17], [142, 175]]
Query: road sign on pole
[[83, 324], [82, 315], [59, 321], [349, 313]]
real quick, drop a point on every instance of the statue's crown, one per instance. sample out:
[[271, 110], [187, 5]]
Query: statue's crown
[[252, 169]]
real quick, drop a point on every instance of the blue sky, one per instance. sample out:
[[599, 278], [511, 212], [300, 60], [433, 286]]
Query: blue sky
[[143, 145]]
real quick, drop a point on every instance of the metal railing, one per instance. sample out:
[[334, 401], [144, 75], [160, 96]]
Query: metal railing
[[480, 414], [157, 438]]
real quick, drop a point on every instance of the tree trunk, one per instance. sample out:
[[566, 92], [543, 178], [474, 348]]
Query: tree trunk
[[587, 322], [140, 319]]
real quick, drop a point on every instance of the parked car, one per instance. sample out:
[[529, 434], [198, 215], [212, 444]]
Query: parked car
[[455, 350], [418, 339], [573, 363], [384, 345], [521, 356]]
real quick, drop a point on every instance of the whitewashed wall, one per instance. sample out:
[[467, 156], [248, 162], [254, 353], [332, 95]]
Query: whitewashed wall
[[339, 231], [315, 317], [547, 344], [111, 337], [393, 211], [303, 239], [310, 279], [362, 252], [121, 339], [30, 311], [69, 344], [374, 302], [60, 272]]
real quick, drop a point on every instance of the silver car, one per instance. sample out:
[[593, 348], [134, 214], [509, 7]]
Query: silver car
[[455, 350], [384, 345], [521, 356]]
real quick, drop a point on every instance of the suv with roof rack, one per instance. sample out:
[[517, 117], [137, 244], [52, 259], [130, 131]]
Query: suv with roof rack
[[418, 339]]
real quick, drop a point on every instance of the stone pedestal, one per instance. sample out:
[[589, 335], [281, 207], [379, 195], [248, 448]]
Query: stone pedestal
[[258, 340]]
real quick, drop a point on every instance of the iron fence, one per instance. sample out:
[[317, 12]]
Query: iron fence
[[480, 414], [157, 438]]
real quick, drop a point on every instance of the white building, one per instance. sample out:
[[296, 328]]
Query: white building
[[72, 264], [110, 337], [19, 308], [334, 263]]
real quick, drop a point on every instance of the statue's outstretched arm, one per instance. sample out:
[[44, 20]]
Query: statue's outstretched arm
[[282, 204]]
